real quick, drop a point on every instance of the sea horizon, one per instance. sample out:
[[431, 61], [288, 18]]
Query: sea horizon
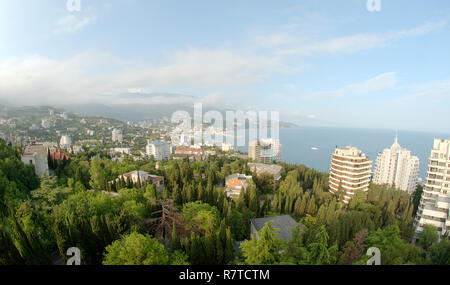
[[298, 143]]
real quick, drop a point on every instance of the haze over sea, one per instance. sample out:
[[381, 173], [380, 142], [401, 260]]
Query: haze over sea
[[298, 143]]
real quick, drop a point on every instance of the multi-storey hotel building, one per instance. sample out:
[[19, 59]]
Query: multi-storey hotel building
[[265, 150], [434, 205], [350, 171], [397, 166]]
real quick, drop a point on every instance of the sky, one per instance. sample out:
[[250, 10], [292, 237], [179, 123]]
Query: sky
[[319, 63]]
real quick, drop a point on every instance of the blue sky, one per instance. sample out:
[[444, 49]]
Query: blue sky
[[324, 63]]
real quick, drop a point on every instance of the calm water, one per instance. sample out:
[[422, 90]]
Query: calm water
[[297, 144]]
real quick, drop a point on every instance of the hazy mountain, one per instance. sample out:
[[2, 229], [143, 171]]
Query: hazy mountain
[[128, 112], [135, 107]]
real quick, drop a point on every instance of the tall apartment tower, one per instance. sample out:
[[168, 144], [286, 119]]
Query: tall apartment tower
[[396, 166], [350, 171], [117, 135], [65, 141], [434, 204], [265, 150], [159, 150]]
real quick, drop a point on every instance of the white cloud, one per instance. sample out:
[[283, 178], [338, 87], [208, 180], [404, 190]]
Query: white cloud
[[377, 83], [348, 44], [38, 80], [71, 23], [433, 91], [215, 99]]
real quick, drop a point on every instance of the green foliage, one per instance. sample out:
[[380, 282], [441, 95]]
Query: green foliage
[[354, 250], [264, 250], [214, 247], [90, 221], [439, 253], [417, 195], [16, 179], [394, 250], [428, 237], [37, 221], [319, 252], [198, 215], [264, 183], [98, 175], [137, 249]]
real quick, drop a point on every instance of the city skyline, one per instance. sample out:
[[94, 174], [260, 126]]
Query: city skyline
[[319, 65]]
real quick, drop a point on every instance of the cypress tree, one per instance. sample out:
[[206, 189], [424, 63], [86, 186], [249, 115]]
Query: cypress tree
[[49, 159], [228, 257], [246, 221], [302, 208], [253, 201], [311, 208], [176, 195], [138, 182], [77, 174], [297, 207], [322, 214], [219, 251], [331, 212], [129, 182], [288, 206], [176, 244], [201, 193], [210, 246]]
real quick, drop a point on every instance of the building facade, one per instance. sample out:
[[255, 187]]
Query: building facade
[[65, 141], [397, 166], [227, 147], [283, 226], [235, 183], [271, 169], [117, 135], [264, 150], [36, 154], [189, 152], [144, 177], [121, 150], [350, 171], [434, 204], [159, 150]]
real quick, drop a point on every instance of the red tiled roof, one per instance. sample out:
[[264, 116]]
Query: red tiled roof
[[188, 149], [59, 155]]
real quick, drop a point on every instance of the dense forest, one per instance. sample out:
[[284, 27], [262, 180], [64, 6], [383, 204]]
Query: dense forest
[[192, 221]]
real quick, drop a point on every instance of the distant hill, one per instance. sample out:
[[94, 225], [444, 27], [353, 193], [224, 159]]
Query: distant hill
[[127, 112], [141, 112], [154, 106]]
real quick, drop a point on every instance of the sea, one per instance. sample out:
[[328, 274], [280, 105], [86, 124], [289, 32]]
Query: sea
[[313, 146]]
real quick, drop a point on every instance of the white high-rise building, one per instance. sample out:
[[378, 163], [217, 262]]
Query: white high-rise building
[[36, 154], [265, 150], [65, 141], [159, 150], [350, 171], [397, 166], [45, 123], [117, 136], [434, 205], [227, 147]]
